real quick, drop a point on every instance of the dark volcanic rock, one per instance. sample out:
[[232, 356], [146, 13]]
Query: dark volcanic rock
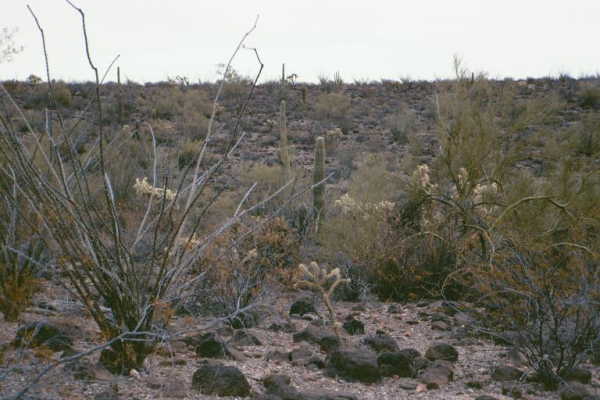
[[506, 373], [303, 306], [396, 364], [243, 337], [211, 346], [436, 375], [279, 388], [325, 338], [354, 365], [574, 391], [381, 342], [442, 351], [577, 374], [353, 326], [220, 380]]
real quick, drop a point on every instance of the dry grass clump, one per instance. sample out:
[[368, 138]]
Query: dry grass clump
[[589, 97], [243, 264], [332, 106], [188, 108], [401, 124]]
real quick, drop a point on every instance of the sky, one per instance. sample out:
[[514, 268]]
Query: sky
[[362, 40]]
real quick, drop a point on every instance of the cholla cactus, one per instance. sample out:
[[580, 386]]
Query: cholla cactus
[[142, 187], [318, 279], [421, 179], [463, 179], [349, 206]]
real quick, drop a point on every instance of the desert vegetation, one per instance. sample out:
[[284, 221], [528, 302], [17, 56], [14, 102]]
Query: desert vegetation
[[144, 227]]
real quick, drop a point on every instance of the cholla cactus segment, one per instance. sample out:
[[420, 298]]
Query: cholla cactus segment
[[421, 179], [349, 206], [142, 187], [483, 192], [318, 279], [463, 178]]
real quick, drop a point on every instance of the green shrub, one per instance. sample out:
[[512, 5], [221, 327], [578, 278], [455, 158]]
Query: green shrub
[[585, 138], [243, 264], [188, 154], [527, 247], [401, 124], [590, 97], [62, 94], [332, 106], [18, 276]]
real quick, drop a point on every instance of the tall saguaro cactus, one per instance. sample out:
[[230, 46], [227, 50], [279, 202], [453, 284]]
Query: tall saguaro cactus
[[284, 153], [318, 177]]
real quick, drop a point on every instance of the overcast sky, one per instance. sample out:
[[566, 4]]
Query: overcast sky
[[370, 39]]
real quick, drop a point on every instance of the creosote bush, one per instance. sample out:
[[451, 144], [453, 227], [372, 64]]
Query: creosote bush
[[243, 264], [22, 255], [401, 124], [332, 106]]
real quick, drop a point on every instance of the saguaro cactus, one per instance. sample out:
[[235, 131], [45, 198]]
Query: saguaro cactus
[[284, 153], [318, 177], [318, 279]]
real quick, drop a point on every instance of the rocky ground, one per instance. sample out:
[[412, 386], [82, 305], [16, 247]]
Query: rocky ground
[[425, 350]]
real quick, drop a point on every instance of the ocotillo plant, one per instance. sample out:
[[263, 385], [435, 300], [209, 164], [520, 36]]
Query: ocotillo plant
[[318, 279], [284, 154], [318, 177]]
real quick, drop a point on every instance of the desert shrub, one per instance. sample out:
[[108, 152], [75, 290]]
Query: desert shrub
[[243, 264], [589, 97], [125, 170], [332, 106], [269, 179], [19, 282], [550, 299], [585, 138], [528, 246], [22, 252], [277, 248], [329, 85], [357, 223], [401, 124], [189, 107], [235, 85], [62, 94], [188, 153]]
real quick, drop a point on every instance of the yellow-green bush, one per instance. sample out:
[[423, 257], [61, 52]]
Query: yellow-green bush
[[333, 106], [242, 264], [401, 124], [522, 244], [62, 94]]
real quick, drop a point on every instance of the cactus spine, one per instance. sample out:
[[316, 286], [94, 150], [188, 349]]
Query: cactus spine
[[284, 153], [318, 177]]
